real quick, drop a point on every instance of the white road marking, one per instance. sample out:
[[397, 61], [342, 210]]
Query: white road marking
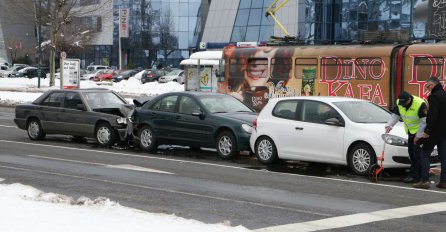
[[137, 168], [8, 126], [226, 166], [120, 166], [358, 219], [172, 191]]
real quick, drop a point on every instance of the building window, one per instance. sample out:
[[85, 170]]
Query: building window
[[88, 2]]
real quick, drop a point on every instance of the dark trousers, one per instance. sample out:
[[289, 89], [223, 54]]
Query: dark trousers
[[415, 158], [425, 161]]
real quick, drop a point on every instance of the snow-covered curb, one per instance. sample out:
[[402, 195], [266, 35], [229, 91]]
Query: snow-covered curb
[[14, 91]]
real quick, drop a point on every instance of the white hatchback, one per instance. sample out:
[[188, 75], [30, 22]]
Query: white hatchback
[[332, 130]]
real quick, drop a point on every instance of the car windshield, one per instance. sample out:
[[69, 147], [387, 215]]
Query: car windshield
[[103, 99], [223, 104], [363, 111], [127, 72], [174, 73]]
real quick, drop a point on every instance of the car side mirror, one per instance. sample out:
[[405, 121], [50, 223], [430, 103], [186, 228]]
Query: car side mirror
[[334, 122], [80, 107], [198, 114]]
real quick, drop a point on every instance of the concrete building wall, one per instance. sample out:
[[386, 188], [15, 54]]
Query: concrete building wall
[[17, 31]]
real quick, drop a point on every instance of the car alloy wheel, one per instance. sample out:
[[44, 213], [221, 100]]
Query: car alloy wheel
[[226, 145], [147, 139], [35, 130], [105, 135], [361, 158], [266, 151]]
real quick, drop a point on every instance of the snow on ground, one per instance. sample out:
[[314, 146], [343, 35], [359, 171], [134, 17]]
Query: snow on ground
[[20, 90], [24, 208]]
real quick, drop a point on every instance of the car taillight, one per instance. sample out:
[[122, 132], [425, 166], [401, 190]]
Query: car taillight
[[254, 123], [149, 75]]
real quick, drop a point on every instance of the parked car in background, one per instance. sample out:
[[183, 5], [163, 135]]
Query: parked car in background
[[104, 75], [125, 75], [11, 70], [3, 67], [332, 130], [194, 119], [31, 72], [94, 113], [91, 76], [175, 75], [152, 75], [94, 68]]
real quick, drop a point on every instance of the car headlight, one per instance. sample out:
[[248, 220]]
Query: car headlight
[[121, 120], [394, 140], [247, 128]]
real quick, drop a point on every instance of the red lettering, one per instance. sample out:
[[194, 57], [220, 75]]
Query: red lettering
[[324, 74], [362, 70], [365, 91], [349, 91], [381, 70], [378, 94]]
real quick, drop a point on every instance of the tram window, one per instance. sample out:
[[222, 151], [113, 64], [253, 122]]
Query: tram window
[[333, 68], [426, 67], [368, 68], [305, 68], [237, 67], [280, 68]]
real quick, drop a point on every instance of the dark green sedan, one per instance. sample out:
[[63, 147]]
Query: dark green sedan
[[94, 113], [194, 119]]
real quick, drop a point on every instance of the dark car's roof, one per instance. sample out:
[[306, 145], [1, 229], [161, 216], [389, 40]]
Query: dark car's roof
[[89, 90], [197, 93]]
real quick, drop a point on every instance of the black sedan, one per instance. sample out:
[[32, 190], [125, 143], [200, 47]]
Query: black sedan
[[125, 75], [194, 119], [93, 113], [152, 75]]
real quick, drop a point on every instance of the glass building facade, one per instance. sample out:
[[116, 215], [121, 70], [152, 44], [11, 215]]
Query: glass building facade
[[342, 20], [160, 33], [329, 21], [251, 23]]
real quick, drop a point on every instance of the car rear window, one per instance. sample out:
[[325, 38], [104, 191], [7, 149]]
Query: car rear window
[[286, 109]]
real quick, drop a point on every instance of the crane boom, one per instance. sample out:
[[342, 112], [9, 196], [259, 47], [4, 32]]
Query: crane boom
[[272, 9]]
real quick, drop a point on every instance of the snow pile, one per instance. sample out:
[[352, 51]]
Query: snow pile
[[27, 209]]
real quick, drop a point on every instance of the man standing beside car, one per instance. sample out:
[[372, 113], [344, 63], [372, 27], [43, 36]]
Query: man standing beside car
[[434, 133], [413, 111]]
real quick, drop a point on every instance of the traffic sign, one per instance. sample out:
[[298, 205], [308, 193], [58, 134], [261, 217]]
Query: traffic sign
[[63, 55]]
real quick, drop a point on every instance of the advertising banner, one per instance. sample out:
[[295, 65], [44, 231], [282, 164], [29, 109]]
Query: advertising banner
[[70, 74], [123, 23]]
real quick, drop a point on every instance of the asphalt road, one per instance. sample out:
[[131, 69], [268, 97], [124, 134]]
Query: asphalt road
[[198, 185]]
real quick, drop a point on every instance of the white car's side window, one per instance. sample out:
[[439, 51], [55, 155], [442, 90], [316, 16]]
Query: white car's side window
[[286, 109], [317, 112]]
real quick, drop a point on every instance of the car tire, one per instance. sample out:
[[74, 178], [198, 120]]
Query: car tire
[[147, 139], [361, 158], [35, 130], [226, 145], [105, 135], [265, 150]]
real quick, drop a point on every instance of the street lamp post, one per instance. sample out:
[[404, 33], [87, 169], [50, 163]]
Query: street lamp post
[[39, 42]]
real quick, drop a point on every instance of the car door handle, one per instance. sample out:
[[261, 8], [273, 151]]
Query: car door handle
[[298, 128]]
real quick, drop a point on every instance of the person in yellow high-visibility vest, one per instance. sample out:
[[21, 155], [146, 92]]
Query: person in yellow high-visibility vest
[[413, 111]]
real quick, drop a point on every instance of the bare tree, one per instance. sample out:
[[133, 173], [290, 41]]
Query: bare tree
[[168, 42], [58, 19]]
